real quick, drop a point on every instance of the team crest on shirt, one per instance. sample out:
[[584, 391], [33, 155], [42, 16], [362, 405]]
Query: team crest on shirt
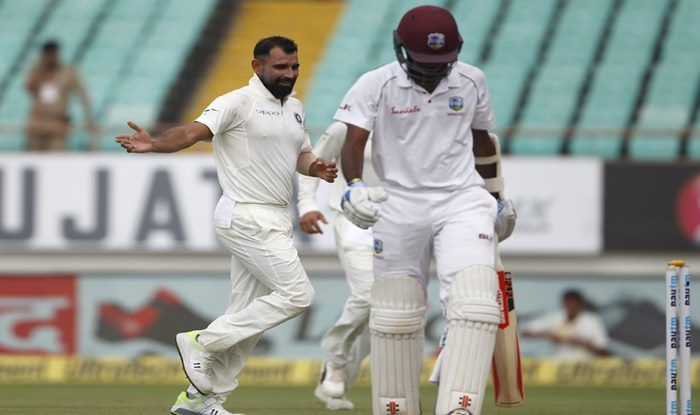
[[456, 103], [436, 41], [298, 118], [378, 246]]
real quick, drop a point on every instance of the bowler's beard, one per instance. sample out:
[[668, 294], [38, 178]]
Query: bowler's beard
[[277, 90]]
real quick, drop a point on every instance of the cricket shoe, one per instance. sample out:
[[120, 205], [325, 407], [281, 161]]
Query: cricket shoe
[[187, 404], [333, 404], [333, 380], [196, 363]]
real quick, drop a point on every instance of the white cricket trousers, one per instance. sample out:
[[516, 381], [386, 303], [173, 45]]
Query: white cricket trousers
[[268, 287], [347, 342], [456, 227]]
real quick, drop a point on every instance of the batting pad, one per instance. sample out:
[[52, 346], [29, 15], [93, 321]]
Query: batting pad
[[473, 316], [396, 330]]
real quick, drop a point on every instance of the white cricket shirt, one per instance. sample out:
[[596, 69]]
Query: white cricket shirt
[[328, 147], [257, 140], [421, 140], [586, 326]]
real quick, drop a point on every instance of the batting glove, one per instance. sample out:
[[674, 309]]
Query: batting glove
[[359, 203], [505, 219]]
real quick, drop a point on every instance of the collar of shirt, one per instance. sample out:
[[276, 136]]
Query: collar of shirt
[[404, 81], [261, 89]]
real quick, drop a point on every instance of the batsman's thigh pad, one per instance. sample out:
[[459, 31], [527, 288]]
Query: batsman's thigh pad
[[396, 329], [473, 316]]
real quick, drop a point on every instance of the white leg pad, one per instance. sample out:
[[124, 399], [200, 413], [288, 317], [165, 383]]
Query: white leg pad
[[473, 316], [396, 325]]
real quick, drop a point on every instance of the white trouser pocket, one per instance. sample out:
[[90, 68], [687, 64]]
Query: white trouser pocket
[[223, 214]]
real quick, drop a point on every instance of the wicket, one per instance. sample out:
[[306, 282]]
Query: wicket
[[678, 341]]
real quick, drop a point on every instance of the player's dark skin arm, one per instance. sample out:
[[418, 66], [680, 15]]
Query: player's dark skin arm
[[483, 147], [352, 155]]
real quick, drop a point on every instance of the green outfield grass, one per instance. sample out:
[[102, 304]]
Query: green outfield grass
[[151, 400]]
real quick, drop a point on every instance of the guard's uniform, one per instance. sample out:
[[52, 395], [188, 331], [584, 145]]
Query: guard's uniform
[[347, 342], [422, 153], [257, 140]]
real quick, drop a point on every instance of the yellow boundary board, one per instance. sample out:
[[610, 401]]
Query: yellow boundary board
[[278, 371]]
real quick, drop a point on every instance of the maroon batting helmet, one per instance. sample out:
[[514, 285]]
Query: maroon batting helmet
[[429, 35]]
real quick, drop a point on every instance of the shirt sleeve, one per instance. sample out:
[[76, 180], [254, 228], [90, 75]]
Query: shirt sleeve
[[221, 115], [328, 148], [547, 324], [597, 333], [483, 115], [331, 142], [306, 143], [359, 106]]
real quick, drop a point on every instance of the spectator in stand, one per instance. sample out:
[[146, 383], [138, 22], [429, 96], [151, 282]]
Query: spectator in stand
[[50, 84]]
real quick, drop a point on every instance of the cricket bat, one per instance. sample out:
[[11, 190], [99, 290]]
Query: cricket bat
[[506, 368]]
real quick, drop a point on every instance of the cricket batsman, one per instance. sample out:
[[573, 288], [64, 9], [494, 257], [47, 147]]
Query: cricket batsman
[[429, 114]]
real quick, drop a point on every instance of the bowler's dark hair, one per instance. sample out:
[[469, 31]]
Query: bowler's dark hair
[[264, 46]]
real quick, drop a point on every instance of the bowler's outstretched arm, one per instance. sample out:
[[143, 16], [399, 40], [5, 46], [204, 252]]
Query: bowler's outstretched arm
[[170, 141]]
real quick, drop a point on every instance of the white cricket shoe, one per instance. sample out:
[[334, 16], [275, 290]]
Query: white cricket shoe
[[333, 404], [333, 380], [195, 361], [198, 405]]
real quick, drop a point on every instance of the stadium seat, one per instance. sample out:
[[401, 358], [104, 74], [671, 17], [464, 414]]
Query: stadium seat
[[535, 146], [681, 44], [578, 31], [553, 97], [694, 147], [669, 98], [671, 92], [521, 32], [607, 108], [12, 141], [346, 58], [634, 32], [654, 148], [25, 9], [604, 147], [474, 18], [504, 82]]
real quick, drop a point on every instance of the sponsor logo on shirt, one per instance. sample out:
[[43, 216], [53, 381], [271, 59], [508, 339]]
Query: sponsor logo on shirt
[[436, 41], [209, 109], [298, 117], [399, 111], [268, 112], [344, 107]]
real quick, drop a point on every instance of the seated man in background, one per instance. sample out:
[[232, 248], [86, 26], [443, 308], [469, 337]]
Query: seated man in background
[[50, 84], [576, 330]]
